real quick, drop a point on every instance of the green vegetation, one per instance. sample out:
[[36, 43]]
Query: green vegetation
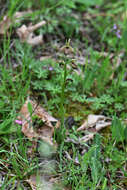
[[79, 69]]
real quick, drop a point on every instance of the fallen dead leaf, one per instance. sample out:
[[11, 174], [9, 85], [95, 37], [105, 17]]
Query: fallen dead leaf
[[5, 24], [44, 132], [26, 34], [97, 121], [7, 21], [102, 125], [93, 123]]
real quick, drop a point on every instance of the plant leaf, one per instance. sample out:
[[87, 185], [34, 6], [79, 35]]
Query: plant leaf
[[117, 130], [7, 127], [30, 109]]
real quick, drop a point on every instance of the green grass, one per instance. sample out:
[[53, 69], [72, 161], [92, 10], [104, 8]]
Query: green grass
[[99, 87]]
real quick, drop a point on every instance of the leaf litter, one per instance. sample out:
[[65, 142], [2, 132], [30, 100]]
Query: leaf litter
[[25, 33], [7, 21], [93, 123], [46, 130], [97, 121]]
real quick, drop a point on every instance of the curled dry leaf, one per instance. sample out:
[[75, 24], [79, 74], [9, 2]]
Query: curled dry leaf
[[48, 123], [97, 121], [26, 33], [93, 123], [5, 24], [7, 21], [102, 125]]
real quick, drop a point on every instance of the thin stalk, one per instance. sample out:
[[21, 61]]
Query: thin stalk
[[62, 109]]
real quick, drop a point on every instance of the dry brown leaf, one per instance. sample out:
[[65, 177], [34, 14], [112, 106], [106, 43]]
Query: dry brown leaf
[[5, 24], [26, 34], [93, 123], [45, 132], [97, 121], [7, 21], [102, 125]]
